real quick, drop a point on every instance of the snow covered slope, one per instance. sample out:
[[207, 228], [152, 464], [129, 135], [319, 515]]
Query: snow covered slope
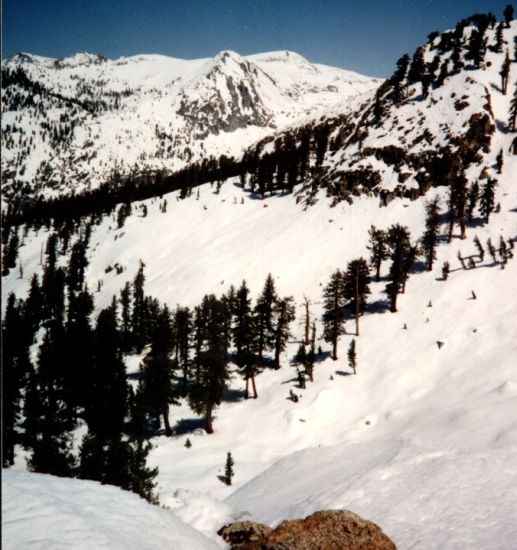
[[70, 124], [46, 512]]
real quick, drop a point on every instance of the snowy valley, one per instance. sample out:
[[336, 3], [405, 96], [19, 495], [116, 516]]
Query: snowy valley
[[422, 439]]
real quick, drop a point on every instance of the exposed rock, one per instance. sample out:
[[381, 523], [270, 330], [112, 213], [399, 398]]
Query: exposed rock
[[244, 535], [325, 530]]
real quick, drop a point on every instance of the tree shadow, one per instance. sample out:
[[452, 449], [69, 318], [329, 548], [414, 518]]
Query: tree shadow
[[188, 425], [343, 373], [324, 355], [222, 479], [233, 395], [379, 306]]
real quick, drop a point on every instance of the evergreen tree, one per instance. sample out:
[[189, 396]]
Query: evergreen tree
[[207, 389], [157, 369], [476, 46], [398, 78], [498, 46], [356, 287], [306, 319], [264, 317], [505, 73], [508, 14], [183, 335], [284, 315], [311, 355], [76, 267], [445, 270], [47, 421], [142, 478], [417, 69], [432, 226], [378, 249], [491, 250], [139, 313], [333, 322], [351, 354], [472, 199], [244, 338], [513, 111], [34, 304], [10, 252], [487, 198], [479, 246], [125, 314], [228, 468], [16, 368], [400, 251]]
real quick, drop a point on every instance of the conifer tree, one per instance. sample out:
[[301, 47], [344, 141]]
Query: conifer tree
[[125, 316], [228, 468], [472, 199], [284, 315], [513, 111], [398, 78], [311, 355], [505, 73], [16, 368], [333, 321], [207, 389], [378, 249], [264, 317], [183, 335], [487, 198], [157, 369], [34, 304], [351, 354], [508, 14], [498, 46], [479, 246], [400, 251], [47, 421], [499, 162], [432, 226], [306, 319], [356, 287], [491, 250], [142, 477], [445, 270], [139, 314]]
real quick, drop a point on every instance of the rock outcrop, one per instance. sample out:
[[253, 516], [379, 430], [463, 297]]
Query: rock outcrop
[[325, 530]]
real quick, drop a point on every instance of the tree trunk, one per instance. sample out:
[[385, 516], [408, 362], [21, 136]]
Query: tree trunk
[[208, 420], [393, 306], [246, 392], [451, 225], [253, 385], [277, 351], [307, 320], [334, 349], [165, 413], [378, 272]]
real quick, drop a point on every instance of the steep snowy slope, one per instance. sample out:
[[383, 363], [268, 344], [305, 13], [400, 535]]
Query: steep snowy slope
[[41, 511], [70, 124]]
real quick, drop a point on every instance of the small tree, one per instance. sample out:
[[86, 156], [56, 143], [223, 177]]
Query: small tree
[[479, 246], [445, 270], [378, 249], [228, 468], [430, 238], [508, 14], [487, 198], [356, 287], [333, 322], [352, 360], [284, 315]]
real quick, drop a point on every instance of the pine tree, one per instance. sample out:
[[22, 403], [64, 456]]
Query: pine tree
[[513, 111], [508, 14], [139, 314], [207, 389], [378, 249], [432, 226], [264, 317], [183, 336], [479, 246], [157, 369], [398, 78], [491, 250], [311, 355], [351, 354], [284, 315], [333, 322], [472, 199], [505, 73], [306, 319], [400, 252], [356, 287], [445, 270], [125, 314], [498, 46], [476, 47], [417, 69], [142, 478], [16, 368], [487, 198], [228, 468], [47, 420]]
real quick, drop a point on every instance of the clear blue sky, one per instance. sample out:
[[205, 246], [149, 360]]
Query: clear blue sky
[[361, 35]]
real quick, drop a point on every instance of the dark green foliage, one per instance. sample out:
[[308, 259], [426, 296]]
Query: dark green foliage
[[505, 73], [432, 226], [352, 358], [125, 315], [47, 420], [182, 341], [16, 368], [445, 270], [284, 315], [399, 77], [472, 199], [508, 14], [401, 254], [77, 267], [378, 249], [491, 250], [417, 69], [264, 317], [498, 46], [513, 111], [356, 287], [476, 46], [10, 252], [139, 312], [211, 342], [157, 389], [487, 198], [228, 468], [479, 246], [333, 304]]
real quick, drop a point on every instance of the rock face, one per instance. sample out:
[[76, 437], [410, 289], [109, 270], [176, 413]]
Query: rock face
[[326, 530]]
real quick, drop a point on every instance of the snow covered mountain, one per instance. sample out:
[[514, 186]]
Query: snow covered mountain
[[71, 124], [423, 439]]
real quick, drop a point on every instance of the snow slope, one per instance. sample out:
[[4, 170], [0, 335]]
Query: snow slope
[[45, 512], [94, 116]]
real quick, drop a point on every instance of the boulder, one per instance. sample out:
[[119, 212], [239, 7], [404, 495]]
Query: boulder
[[325, 530]]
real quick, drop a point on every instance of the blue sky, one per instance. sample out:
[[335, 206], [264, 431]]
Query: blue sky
[[364, 36]]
